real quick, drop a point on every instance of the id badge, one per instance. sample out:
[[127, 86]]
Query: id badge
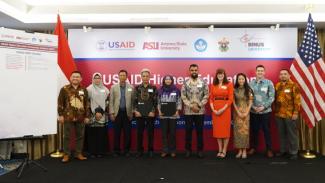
[[81, 92], [287, 91]]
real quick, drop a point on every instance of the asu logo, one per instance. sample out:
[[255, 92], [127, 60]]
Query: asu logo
[[150, 46], [223, 45]]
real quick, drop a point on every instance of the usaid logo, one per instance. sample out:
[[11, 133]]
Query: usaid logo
[[121, 45], [200, 45], [150, 46], [115, 45], [34, 39], [101, 45]]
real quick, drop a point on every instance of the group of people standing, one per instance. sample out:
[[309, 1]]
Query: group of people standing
[[247, 104]]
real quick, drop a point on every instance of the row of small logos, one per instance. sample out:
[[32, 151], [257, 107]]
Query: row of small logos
[[199, 45], [34, 40]]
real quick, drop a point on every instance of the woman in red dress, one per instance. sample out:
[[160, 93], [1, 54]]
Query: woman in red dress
[[221, 97]]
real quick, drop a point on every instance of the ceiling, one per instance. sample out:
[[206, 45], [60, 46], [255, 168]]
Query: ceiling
[[37, 15]]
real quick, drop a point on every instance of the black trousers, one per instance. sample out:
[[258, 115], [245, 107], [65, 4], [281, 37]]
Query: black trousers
[[122, 122], [97, 140], [260, 121], [143, 122], [168, 128], [198, 121]]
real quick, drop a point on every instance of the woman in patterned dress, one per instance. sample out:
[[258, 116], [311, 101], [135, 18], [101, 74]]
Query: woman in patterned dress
[[243, 99]]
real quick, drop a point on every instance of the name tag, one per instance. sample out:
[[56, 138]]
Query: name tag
[[258, 98], [224, 87], [150, 90], [81, 92], [103, 91], [140, 103], [287, 91], [173, 94], [129, 89], [264, 89], [199, 85]]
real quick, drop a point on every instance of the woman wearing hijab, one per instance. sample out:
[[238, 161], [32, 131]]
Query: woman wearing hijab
[[169, 105], [96, 130]]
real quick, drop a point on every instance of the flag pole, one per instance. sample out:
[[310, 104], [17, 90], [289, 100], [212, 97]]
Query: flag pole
[[58, 139], [58, 143], [67, 66], [308, 154]]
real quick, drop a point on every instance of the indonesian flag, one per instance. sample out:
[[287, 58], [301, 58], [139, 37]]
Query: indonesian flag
[[66, 63]]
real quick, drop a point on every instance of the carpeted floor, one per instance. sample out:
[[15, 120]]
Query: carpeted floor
[[256, 169]]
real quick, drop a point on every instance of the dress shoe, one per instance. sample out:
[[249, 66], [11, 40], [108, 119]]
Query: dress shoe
[[188, 154], [115, 155], [281, 154], [65, 159], [244, 156], [92, 156], [163, 155], [200, 154], [251, 151], [173, 155], [139, 155], [81, 157], [150, 154], [239, 155], [269, 154], [127, 154], [223, 155]]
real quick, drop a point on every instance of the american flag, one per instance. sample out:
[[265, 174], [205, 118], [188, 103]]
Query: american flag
[[308, 70]]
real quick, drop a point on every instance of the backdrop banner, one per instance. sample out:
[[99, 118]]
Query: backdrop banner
[[171, 51]]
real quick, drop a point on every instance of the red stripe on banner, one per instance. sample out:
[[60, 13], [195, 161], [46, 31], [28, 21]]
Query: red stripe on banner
[[178, 67]]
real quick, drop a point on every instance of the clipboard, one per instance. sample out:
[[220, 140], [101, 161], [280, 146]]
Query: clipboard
[[144, 108], [168, 108]]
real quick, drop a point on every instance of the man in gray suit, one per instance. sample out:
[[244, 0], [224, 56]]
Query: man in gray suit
[[121, 112]]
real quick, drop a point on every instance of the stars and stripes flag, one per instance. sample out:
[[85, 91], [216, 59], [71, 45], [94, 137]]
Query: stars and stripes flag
[[308, 70]]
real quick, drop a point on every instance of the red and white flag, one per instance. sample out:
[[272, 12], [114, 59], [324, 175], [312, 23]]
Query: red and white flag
[[308, 70], [66, 63]]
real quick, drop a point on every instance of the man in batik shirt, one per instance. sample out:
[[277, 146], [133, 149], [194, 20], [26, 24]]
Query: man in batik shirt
[[74, 112], [287, 107]]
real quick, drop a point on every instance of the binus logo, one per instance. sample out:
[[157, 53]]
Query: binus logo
[[121, 44], [150, 46]]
